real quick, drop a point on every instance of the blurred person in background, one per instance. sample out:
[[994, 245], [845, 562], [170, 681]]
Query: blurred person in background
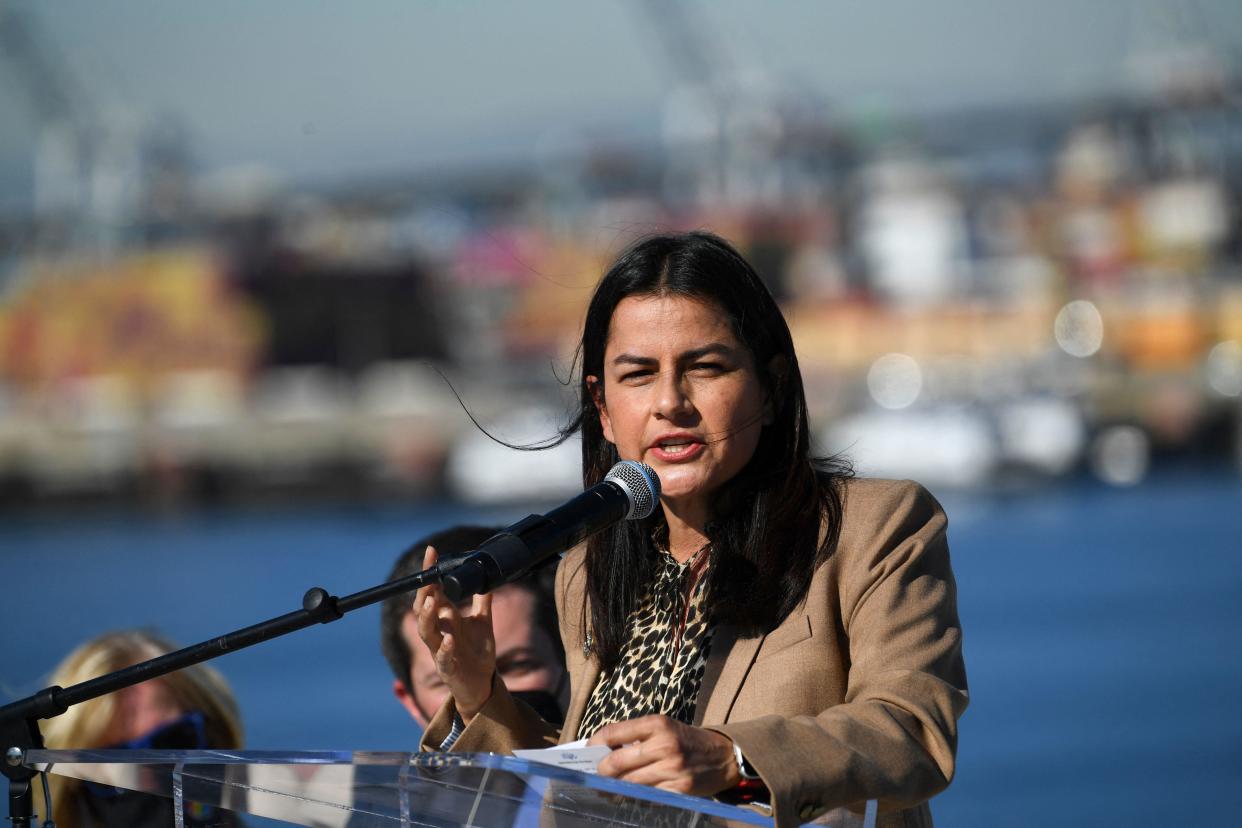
[[190, 709], [529, 657], [777, 632]]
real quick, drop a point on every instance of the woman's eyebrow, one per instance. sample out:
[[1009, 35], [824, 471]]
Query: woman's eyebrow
[[713, 348], [634, 359]]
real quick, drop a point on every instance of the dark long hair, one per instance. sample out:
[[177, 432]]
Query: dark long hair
[[766, 522]]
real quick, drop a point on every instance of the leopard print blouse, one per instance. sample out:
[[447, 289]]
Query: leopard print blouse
[[657, 673]]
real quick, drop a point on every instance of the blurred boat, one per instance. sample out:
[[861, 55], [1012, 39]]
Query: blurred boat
[[963, 446], [482, 470]]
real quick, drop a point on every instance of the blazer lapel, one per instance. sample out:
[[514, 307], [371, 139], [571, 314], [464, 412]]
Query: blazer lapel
[[578, 702], [726, 669]]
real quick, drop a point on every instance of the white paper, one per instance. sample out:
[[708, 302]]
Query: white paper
[[574, 756]]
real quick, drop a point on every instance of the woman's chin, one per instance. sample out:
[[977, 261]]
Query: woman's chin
[[679, 494]]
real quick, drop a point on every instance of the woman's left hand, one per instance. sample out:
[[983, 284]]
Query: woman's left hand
[[663, 752]]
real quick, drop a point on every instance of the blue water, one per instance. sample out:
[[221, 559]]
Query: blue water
[[1101, 632]]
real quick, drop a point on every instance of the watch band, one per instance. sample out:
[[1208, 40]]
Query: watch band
[[743, 767]]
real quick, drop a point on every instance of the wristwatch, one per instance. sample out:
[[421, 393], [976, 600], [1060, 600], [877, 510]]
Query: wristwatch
[[743, 767]]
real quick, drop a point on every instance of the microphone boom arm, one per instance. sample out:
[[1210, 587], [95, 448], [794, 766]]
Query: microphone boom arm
[[630, 490], [19, 720]]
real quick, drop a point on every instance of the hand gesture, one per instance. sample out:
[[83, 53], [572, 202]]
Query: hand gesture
[[463, 645]]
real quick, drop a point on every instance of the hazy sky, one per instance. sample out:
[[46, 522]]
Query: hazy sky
[[332, 90]]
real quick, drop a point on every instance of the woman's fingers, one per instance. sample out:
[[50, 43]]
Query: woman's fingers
[[655, 762], [429, 560], [460, 643], [429, 605], [630, 730], [430, 556], [481, 608], [428, 629], [627, 762], [633, 745], [659, 751], [448, 622], [463, 646]]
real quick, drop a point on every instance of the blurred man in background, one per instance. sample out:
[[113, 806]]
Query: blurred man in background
[[529, 654]]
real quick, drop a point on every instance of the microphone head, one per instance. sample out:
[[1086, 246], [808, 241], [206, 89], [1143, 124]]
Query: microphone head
[[640, 484]]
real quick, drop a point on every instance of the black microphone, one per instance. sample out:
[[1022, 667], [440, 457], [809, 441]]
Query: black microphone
[[630, 491]]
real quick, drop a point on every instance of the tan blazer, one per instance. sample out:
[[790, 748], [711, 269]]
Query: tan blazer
[[855, 696]]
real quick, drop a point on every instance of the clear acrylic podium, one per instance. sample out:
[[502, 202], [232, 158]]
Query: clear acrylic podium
[[386, 790]]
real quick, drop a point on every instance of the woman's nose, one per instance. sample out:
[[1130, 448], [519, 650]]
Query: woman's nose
[[672, 401]]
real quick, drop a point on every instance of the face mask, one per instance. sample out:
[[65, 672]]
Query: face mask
[[186, 732], [131, 809], [109, 806], [544, 703]]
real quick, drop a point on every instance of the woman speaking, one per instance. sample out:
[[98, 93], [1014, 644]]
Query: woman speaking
[[777, 631]]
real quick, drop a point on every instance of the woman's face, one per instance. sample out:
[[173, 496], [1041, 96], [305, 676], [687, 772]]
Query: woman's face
[[139, 710], [682, 394]]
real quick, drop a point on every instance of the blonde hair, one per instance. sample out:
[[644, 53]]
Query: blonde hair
[[86, 725]]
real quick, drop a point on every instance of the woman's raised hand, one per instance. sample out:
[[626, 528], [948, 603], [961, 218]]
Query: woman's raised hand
[[464, 646], [663, 752]]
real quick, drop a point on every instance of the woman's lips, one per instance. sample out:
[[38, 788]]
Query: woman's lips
[[677, 450]]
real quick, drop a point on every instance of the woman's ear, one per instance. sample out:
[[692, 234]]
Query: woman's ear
[[596, 389], [769, 411], [778, 372]]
